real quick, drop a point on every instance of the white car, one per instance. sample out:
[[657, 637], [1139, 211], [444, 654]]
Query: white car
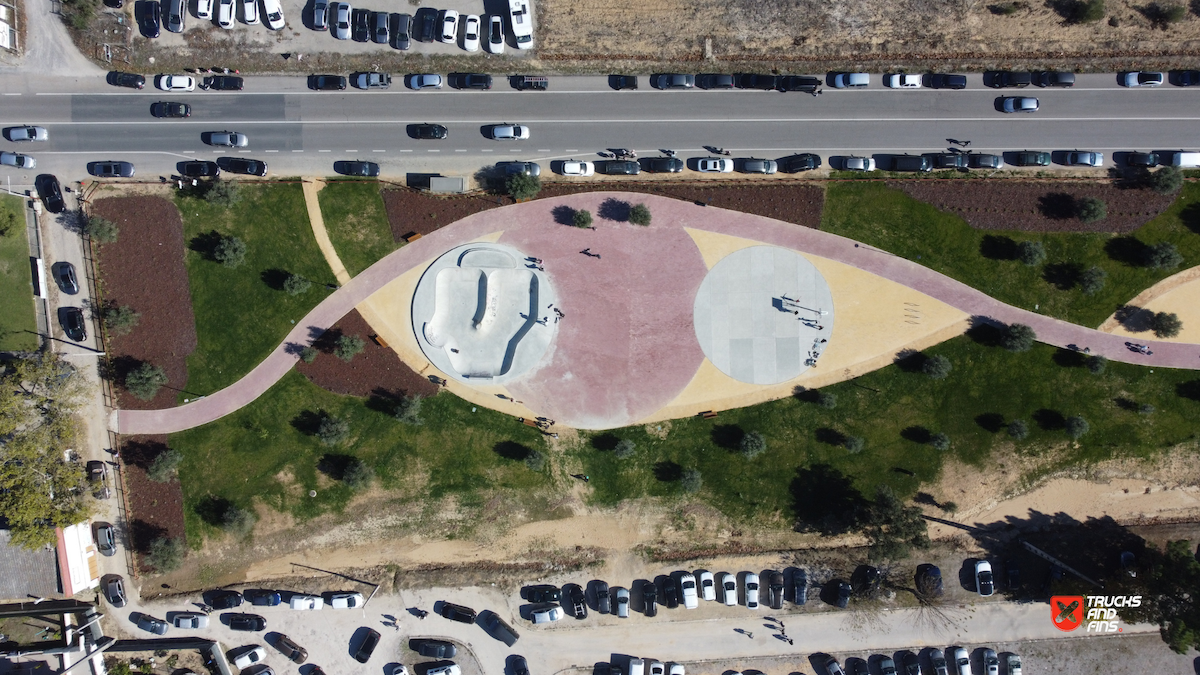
[[622, 602], [306, 602], [250, 12], [451, 669], [547, 615], [225, 14], [708, 589], [1142, 79], [273, 14], [657, 668], [471, 33], [751, 590], [715, 165], [247, 659], [858, 164], [728, 588], [510, 132], [346, 600], [204, 10], [495, 43], [175, 82], [574, 167], [321, 15], [18, 160], [676, 669], [687, 582], [962, 661], [903, 81], [341, 20], [984, 583], [449, 26], [26, 133]]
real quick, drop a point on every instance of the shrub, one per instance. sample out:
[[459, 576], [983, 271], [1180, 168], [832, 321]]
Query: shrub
[[1091, 280], [101, 231], [937, 366], [166, 554], [582, 218], [408, 410], [1088, 11], [692, 481], [940, 441], [224, 193], [10, 223], [1018, 430], [855, 444], [357, 475], [1077, 426], [296, 284], [1162, 256], [145, 380], [119, 320], [1005, 8], [1168, 14], [230, 252], [948, 507], [165, 466], [1090, 210], [1018, 337], [536, 461], [238, 521], [521, 186], [347, 347], [79, 13], [333, 430], [827, 400], [1166, 181], [1096, 364], [639, 215], [1166, 324], [1146, 409], [308, 354], [624, 449], [753, 444], [1031, 252]]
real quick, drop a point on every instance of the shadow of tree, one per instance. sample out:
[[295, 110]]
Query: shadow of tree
[[614, 209], [829, 436], [274, 278], [668, 471], [211, 509], [512, 450], [141, 453], [1049, 420], [1134, 319], [206, 244], [916, 434], [308, 422], [1057, 206], [910, 360], [728, 436], [334, 465], [1063, 276], [825, 500], [985, 332], [563, 214], [605, 442], [1069, 358], [1190, 216], [990, 422], [995, 247], [142, 533], [1128, 250], [1189, 389]]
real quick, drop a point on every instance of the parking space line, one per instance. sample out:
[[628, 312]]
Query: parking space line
[[297, 151], [324, 151], [270, 151]]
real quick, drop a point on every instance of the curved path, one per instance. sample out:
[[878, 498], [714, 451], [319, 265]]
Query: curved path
[[954, 293]]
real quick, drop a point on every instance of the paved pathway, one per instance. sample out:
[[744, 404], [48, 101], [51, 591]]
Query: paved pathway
[[313, 186], [954, 293]]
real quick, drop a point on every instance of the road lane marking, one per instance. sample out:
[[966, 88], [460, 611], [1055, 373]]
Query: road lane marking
[[324, 151]]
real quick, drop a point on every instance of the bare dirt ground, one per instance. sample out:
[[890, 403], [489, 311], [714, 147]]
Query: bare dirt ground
[[155, 509], [376, 371]]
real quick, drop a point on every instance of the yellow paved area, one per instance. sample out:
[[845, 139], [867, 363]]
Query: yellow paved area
[[1179, 293], [312, 188]]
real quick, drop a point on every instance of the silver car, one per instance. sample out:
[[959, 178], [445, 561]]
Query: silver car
[[1142, 79], [228, 139], [753, 165], [18, 160], [190, 620], [622, 602], [321, 15], [1078, 158], [111, 169], [425, 81], [341, 20], [26, 133], [1024, 104]]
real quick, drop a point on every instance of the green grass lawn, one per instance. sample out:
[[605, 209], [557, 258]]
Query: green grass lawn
[[243, 313], [357, 222], [891, 220], [262, 452], [18, 322]]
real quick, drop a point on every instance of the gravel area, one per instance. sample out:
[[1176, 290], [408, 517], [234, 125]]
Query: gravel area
[[377, 371]]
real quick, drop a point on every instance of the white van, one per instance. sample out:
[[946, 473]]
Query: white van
[[637, 666], [1185, 159]]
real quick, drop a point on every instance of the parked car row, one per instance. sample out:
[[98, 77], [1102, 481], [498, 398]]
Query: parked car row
[[397, 29], [955, 660], [224, 13], [900, 80]]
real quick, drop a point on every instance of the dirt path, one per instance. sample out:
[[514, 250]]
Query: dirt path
[[313, 186]]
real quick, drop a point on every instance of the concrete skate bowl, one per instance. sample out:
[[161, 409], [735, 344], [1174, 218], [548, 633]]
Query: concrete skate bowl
[[475, 312]]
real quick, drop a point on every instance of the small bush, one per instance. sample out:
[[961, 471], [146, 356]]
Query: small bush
[[237, 521], [119, 320], [624, 449], [1018, 338], [333, 430], [940, 441], [692, 481], [308, 354], [1162, 256], [1166, 324], [948, 507], [1018, 430], [224, 193], [166, 554], [639, 215], [408, 410], [347, 347], [1031, 252], [230, 252], [1088, 11], [145, 381], [855, 444], [1077, 426], [1096, 364], [9, 224], [1091, 280], [296, 285], [937, 366], [102, 231], [753, 444], [1166, 181], [1005, 8], [1091, 210], [1169, 14], [1146, 409], [521, 186], [536, 461], [358, 475], [827, 400], [582, 218], [165, 466]]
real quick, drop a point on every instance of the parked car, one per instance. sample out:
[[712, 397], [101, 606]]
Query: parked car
[[175, 82], [356, 168], [225, 600], [843, 594], [1147, 160], [991, 664], [903, 81], [111, 169], [1078, 158], [603, 601], [380, 31], [190, 620], [1142, 78], [1187, 78], [50, 192], [340, 25], [664, 165], [621, 167], [520, 666], [499, 628], [949, 160], [622, 596], [984, 161], [360, 25], [887, 666], [114, 591], [254, 655], [425, 24], [728, 584], [579, 608], [657, 668], [853, 163], [471, 81], [912, 664], [620, 82], [448, 669], [751, 585], [800, 587], [1051, 78], [249, 623], [758, 81], [470, 32], [962, 661], [775, 590], [714, 165], [224, 83], [574, 167], [367, 646], [225, 14], [832, 667], [1031, 158], [197, 168], [1023, 104], [260, 597], [546, 614], [106, 538], [929, 581], [130, 80], [1009, 80], [168, 109], [290, 649], [26, 133], [1013, 570], [457, 613], [434, 649], [273, 14], [151, 19], [714, 81], [425, 81], [510, 132], [228, 139], [449, 23], [672, 81], [802, 83], [64, 274], [947, 81], [687, 584], [1014, 664], [543, 593], [984, 583], [250, 12], [401, 31], [175, 16], [708, 587], [650, 598], [371, 80], [755, 165], [803, 162], [248, 167], [938, 660], [851, 80], [495, 41], [320, 15], [917, 163]]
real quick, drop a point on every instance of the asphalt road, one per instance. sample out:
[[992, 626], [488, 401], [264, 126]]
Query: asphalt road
[[300, 131]]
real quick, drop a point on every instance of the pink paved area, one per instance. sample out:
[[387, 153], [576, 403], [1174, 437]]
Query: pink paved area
[[627, 345]]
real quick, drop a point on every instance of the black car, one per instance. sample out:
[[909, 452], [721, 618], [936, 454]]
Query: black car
[[1148, 160], [401, 27], [290, 649], [327, 82], [225, 600], [799, 83], [1051, 78], [499, 628], [367, 647], [621, 167], [470, 80], [947, 81], [985, 161], [457, 613], [664, 165], [803, 162], [360, 25], [929, 581], [170, 109], [1187, 78], [427, 132], [1031, 158], [578, 605], [912, 666], [867, 579], [843, 594], [520, 666], [650, 598], [775, 590], [434, 649], [64, 274], [356, 168], [1009, 80], [1013, 571], [800, 587], [198, 168], [71, 320], [672, 81], [620, 82], [426, 24], [757, 81], [249, 623], [151, 18], [670, 589], [223, 83], [246, 167], [112, 169], [50, 192], [106, 539], [131, 80], [603, 601], [260, 596], [543, 593], [949, 160], [714, 81]]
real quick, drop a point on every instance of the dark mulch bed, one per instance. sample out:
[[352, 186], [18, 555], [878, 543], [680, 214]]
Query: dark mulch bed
[[1037, 206], [377, 371], [155, 509], [798, 203], [144, 269]]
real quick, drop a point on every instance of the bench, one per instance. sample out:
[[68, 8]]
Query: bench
[[378, 340], [707, 414], [411, 237]]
